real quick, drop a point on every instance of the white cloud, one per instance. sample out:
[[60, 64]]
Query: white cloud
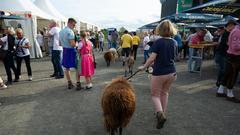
[[111, 13]]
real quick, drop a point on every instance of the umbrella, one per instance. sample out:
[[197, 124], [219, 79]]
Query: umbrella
[[223, 22], [223, 7]]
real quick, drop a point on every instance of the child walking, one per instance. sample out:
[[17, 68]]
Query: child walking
[[87, 62]]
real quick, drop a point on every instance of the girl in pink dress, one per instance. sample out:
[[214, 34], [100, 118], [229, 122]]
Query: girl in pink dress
[[87, 63]]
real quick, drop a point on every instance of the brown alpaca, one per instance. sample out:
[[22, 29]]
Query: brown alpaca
[[108, 56], [114, 52], [118, 105], [130, 63]]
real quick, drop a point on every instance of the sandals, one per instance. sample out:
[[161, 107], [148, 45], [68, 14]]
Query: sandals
[[70, 85]]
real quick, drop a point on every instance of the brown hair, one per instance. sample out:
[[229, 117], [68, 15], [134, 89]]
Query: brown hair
[[72, 20], [166, 29], [83, 35]]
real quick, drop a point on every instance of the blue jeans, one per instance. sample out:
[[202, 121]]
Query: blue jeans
[[220, 61], [146, 55], [109, 44], [50, 49], [101, 46], [57, 60], [197, 62], [114, 44]]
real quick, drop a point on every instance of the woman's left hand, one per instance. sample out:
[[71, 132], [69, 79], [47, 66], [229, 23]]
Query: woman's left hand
[[142, 68]]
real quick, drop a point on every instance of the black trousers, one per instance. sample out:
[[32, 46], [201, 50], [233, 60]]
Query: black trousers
[[27, 62], [231, 71], [9, 64], [135, 47]]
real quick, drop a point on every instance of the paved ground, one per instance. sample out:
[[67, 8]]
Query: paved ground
[[45, 106]]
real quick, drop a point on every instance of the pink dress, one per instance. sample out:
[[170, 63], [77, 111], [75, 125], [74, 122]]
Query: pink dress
[[87, 63]]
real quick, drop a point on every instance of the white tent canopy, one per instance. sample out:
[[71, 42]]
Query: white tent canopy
[[46, 6], [26, 7], [23, 6]]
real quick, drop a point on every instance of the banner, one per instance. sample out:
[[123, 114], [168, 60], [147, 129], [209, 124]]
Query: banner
[[184, 5]]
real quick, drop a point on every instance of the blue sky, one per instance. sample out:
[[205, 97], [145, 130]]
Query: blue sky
[[130, 14]]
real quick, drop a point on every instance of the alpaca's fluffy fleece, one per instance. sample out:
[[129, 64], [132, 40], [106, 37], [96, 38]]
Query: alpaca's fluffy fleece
[[114, 52], [108, 56], [130, 62], [118, 104]]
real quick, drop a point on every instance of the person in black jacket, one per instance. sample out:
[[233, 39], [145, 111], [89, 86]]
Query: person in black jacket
[[221, 52], [8, 44]]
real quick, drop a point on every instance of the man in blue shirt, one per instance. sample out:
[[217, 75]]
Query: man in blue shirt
[[67, 40]]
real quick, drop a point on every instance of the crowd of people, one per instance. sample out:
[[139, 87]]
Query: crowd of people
[[161, 48]]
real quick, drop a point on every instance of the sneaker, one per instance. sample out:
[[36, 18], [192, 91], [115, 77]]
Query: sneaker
[[30, 78], [89, 86], [161, 119], [3, 86]]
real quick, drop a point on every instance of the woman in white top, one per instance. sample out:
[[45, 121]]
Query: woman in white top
[[23, 52]]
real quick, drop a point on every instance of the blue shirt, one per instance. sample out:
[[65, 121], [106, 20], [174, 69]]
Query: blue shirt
[[65, 36], [166, 52], [179, 40]]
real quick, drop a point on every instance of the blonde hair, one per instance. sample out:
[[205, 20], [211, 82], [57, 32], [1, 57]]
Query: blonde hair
[[19, 30], [83, 34], [166, 29], [10, 30]]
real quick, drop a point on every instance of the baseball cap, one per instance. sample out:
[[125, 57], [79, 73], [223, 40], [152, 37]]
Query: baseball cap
[[231, 22]]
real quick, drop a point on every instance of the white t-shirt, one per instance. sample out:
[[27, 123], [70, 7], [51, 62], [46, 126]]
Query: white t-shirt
[[145, 41], [101, 37], [208, 37], [5, 42], [40, 39], [22, 52], [55, 33]]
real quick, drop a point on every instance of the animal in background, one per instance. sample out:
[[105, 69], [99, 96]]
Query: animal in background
[[119, 52], [108, 56], [130, 63], [118, 105], [114, 52]]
